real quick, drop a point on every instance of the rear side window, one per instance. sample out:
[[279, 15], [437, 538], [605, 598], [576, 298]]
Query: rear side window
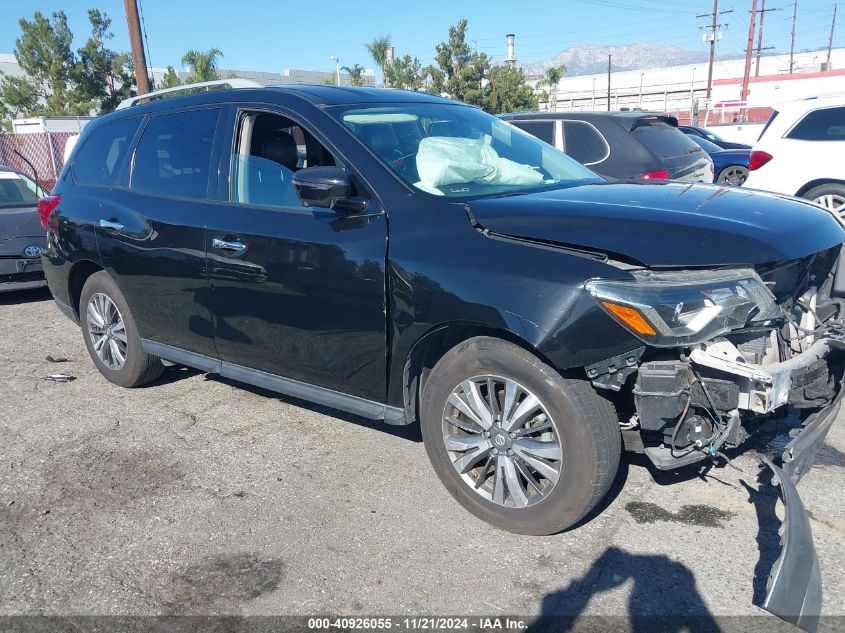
[[101, 156], [827, 124], [663, 140], [174, 154], [17, 190], [768, 123], [584, 143], [543, 130]]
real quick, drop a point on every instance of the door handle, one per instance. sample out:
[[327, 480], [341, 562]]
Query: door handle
[[224, 245], [111, 225]]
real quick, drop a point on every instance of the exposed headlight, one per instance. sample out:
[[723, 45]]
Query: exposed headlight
[[683, 308]]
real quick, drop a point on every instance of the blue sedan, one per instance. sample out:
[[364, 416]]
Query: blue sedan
[[730, 166]]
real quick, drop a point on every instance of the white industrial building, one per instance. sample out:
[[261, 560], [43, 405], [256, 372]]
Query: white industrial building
[[678, 88]]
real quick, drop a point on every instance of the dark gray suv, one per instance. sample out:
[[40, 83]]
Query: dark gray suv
[[621, 144]]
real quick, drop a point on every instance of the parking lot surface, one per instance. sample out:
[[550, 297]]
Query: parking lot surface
[[195, 495]]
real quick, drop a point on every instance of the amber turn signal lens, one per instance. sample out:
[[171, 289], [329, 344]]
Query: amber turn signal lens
[[630, 317]]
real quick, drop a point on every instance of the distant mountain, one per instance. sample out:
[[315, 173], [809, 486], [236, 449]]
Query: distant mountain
[[587, 59]]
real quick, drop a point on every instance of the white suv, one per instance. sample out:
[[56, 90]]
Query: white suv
[[801, 152]]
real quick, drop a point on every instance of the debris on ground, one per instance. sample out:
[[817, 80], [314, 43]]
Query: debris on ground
[[60, 378]]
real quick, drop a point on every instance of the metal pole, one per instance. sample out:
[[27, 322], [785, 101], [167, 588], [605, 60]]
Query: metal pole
[[760, 38], [142, 80], [52, 156], [792, 44], [746, 76], [830, 41], [712, 49], [640, 103], [609, 57]]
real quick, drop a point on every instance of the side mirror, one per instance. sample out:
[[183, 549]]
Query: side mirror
[[328, 188]]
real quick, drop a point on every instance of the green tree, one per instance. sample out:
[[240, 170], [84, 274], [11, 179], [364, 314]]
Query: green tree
[[203, 65], [460, 72], [330, 80], [102, 77], [551, 80], [170, 79], [378, 51], [506, 91], [405, 73], [356, 74], [44, 53]]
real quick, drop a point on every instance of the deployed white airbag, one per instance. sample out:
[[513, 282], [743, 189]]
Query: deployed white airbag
[[446, 160]]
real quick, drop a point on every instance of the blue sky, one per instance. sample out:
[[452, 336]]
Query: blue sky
[[271, 35]]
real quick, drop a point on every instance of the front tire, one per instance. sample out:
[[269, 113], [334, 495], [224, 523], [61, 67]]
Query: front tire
[[513, 441], [830, 196], [111, 335]]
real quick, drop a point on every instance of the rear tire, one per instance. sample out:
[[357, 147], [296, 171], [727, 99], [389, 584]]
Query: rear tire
[[830, 196], [583, 425], [734, 175], [107, 323]]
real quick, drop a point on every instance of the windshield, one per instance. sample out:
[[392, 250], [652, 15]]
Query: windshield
[[16, 190], [461, 152], [706, 145]]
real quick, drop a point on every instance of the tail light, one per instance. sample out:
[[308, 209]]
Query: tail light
[[46, 206], [758, 159], [660, 174]]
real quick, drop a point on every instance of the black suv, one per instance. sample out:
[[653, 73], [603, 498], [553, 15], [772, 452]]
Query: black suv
[[408, 258], [621, 145]]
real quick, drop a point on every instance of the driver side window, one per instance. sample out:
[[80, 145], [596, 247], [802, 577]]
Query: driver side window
[[270, 148]]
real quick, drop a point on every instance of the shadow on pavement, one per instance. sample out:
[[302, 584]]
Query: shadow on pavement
[[17, 297], [664, 597], [764, 498], [410, 432]]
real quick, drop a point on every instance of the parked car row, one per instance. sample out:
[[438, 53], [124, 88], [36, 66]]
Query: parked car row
[[799, 152]]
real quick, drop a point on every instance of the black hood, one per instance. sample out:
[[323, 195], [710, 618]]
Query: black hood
[[667, 225]]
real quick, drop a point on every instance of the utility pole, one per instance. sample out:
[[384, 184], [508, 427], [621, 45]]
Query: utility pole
[[609, 58], [142, 80], [749, 48], [792, 44], [763, 10], [712, 49], [715, 34], [830, 41]]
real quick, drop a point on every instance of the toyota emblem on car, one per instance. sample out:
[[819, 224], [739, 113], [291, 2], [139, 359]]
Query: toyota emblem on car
[[32, 251]]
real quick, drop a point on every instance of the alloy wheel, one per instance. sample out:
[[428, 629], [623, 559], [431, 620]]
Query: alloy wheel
[[734, 176], [501, 440], [832, 202], [107, 331]]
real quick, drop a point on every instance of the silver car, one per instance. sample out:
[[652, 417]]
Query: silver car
[[22, 238]]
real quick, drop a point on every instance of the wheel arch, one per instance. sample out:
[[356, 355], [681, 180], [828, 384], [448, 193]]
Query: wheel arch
[[79, 274], [817, 183], [434, 344]]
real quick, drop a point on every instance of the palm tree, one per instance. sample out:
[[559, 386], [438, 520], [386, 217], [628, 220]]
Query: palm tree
[[553, 77], [356, 74], [378, 51], [203, 65]]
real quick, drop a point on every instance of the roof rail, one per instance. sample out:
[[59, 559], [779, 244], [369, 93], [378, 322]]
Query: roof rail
[[157, 94]]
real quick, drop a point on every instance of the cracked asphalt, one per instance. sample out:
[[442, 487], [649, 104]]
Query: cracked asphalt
[[195, 495]]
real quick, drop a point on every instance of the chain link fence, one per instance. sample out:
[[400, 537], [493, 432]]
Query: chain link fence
[[39, 155]]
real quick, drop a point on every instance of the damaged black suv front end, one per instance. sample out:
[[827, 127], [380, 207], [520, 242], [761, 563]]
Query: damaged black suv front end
[[724, 350]]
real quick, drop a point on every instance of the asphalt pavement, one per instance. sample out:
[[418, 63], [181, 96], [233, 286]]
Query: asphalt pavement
[[196, 495]]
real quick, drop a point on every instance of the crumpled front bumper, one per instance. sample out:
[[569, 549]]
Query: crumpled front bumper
[[794, 590]]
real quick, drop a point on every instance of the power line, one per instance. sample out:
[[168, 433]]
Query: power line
[[146, 39]]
